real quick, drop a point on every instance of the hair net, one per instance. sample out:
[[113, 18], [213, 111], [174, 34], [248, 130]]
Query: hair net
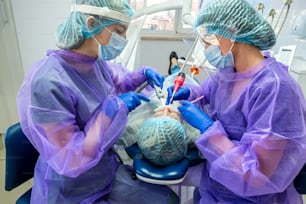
[[74, 30], [163, 140], [236, 20]]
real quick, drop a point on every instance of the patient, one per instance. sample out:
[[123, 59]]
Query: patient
[[159, 131], [162, 138]]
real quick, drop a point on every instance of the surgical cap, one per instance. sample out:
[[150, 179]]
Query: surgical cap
[[163, 140], [74, 30], [236, 20]]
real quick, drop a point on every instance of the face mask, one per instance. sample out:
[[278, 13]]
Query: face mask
[[113, 48], [214, 57]]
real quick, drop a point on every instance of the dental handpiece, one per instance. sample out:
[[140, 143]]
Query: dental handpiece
[[178, 82]]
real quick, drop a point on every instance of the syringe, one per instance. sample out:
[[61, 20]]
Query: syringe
[[178, 82]]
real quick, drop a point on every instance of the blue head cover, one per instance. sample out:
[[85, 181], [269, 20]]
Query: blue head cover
[[236, 20], [163, 140], [75, 30]]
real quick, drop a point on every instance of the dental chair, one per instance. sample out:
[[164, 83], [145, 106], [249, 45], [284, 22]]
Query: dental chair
[[162, 175], [20, 161], [300, 181]]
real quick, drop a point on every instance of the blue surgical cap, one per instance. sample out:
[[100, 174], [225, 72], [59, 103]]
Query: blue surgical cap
[[236, 20], [74, 30], [162, 140]]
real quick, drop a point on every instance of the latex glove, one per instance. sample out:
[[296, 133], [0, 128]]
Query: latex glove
[[182, 93], [154, 77], [195, 117], [132, 99]]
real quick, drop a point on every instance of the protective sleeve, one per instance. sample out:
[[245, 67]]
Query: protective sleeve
[[48, 117], [272, 148], [125, 80]]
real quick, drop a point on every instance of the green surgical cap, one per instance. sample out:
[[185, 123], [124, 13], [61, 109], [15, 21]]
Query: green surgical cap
[[74, 30], [162, 140], [236, 20]]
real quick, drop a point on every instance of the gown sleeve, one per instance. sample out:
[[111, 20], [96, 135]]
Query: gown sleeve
[[48, 110], [125, 80], [272, 148]]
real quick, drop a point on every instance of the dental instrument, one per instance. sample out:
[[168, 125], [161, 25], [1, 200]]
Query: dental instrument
[[178, 82], [197, 99]]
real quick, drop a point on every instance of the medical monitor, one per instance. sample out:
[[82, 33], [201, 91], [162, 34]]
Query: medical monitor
[[286, 54]]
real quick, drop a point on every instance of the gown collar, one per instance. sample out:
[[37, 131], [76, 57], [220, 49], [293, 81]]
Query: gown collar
[[231, 74], [73, 56]]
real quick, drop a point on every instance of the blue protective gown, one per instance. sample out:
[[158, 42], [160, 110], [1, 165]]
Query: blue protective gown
[[70, 112], [257, 145]]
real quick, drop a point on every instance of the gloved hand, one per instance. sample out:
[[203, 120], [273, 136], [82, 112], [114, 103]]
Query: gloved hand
[[132, 99], [154, 77], [195, 117], [182, 93]]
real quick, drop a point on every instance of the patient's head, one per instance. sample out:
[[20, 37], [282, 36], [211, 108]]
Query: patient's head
[[162, 138], [167, 111]]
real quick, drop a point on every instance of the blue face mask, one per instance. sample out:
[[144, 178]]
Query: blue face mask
[[214, 57], [113, 48]]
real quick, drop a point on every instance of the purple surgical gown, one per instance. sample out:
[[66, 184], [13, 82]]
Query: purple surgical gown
[[69, 110], [257, 145]]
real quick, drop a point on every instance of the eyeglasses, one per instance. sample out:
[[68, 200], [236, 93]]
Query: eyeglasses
[[207, 39]]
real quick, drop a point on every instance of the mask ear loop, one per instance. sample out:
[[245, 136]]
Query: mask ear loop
[[108, 30], [89, 21], [233, 43], [96, 40]]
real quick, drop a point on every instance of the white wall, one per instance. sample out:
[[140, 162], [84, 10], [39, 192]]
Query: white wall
[[36, 22], [286, 37], [156, 53], [10, 66]]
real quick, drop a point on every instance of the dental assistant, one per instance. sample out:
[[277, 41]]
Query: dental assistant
[[253, 117], [73, 106]]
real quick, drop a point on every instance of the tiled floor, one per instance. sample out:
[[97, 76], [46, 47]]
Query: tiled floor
[[9, 197]]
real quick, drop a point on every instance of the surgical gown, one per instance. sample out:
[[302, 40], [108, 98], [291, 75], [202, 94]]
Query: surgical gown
[[257, 145], [69, 110]]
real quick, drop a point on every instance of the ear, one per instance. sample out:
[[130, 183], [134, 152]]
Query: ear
[[90, 21]]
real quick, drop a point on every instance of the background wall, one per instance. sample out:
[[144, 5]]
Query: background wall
[[36, 22], [11, 73]]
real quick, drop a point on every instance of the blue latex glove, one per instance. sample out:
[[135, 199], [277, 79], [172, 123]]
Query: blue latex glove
[[154, 77], [132, 99], [195, 117], [182, 93]]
